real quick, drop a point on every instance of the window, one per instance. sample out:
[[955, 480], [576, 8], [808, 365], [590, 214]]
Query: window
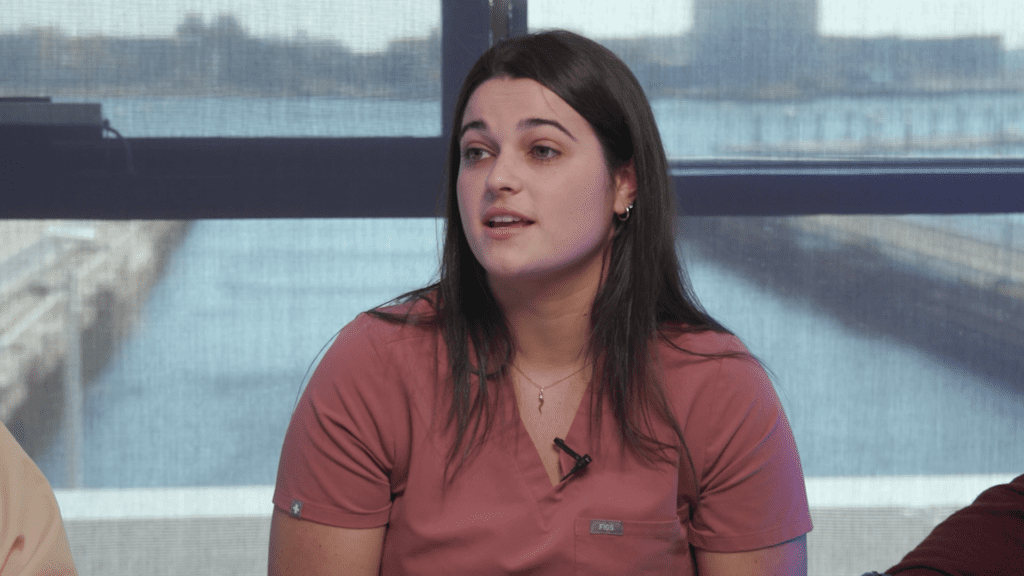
[[233, 68], [834, 79], [807, 253]]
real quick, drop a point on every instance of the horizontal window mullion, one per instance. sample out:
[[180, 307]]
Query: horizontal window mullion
[[402, 177], [181, 178], [798, 188]]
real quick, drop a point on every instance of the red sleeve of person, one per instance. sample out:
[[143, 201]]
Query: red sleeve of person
[[986, 537]]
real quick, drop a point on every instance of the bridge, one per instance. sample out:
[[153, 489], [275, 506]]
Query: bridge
[[69, 291]]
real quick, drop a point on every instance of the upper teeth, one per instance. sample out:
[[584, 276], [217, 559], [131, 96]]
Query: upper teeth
[[505, 219]]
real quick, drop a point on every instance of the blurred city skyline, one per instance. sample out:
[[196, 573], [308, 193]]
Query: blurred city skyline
[[368, 27]]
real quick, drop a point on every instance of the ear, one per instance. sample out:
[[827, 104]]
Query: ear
[[624, 185]]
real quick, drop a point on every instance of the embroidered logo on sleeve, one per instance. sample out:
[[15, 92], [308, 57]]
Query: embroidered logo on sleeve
[[613, 527], [296, 508]]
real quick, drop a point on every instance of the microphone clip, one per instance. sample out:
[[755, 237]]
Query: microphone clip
[[581, 461]]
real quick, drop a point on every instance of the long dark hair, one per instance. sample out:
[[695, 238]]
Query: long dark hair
[[646, 294]]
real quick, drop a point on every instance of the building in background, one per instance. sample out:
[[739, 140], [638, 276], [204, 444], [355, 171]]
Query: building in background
[[772, 50], [755, 48], [893, 64]]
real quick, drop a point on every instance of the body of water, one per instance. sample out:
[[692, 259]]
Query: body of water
[[990, 124], [202, 391], [235, 117], [707, 128]]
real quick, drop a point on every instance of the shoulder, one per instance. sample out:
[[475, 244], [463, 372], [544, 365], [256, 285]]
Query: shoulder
[[701, 342], [709, 361], [750, 491], [377, 354], [719, 391], [385, 331], [348, 446]]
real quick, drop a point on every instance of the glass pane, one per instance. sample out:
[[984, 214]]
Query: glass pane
[[195, 337], [894, 342], [911, 326], [819, 78], [231, 67]]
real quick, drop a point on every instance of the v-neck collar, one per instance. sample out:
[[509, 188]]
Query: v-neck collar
[[528, 460]]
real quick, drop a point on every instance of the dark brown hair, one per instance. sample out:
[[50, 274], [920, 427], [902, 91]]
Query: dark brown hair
[[646, 294]]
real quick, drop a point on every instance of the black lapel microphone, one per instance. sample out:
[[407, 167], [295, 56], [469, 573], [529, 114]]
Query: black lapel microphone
[[581, 461]]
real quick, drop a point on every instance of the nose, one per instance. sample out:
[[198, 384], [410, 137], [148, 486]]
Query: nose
[[503, 175]]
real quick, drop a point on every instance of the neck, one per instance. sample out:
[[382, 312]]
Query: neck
[[550, 322]]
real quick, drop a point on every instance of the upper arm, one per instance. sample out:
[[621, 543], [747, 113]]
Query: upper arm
[[786, 559], [306, 548], [752, 494], [345, 451]]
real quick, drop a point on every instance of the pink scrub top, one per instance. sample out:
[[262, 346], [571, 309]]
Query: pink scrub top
[[367, 447]]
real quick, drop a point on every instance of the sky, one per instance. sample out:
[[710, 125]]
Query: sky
[[367, 26]]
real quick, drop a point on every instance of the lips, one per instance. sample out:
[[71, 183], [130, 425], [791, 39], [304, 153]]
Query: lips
[[499, 218], [504, 221]]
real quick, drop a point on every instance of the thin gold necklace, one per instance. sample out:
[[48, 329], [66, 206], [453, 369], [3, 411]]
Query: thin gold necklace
[[540, 396]]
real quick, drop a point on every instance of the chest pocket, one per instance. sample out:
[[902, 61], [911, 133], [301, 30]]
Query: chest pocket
[[620, 548]]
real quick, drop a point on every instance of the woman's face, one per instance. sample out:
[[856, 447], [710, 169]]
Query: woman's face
[[535, 195]]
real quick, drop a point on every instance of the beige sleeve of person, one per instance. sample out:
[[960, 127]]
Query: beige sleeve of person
[[32, 537]]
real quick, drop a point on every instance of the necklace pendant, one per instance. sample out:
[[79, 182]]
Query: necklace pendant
[[540, 398]]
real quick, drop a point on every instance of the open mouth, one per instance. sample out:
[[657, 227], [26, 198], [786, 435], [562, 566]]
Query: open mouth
[[507, 222]]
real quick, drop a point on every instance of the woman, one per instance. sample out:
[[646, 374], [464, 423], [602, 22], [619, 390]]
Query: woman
[[430, 438]]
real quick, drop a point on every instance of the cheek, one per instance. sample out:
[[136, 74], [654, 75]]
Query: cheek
[[460, 195], [467, 208], [591, 208]]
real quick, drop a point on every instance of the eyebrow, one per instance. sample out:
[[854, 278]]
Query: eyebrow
[[524, 124]]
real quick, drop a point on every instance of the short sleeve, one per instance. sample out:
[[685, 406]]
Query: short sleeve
[[339, 452], [752, 492]]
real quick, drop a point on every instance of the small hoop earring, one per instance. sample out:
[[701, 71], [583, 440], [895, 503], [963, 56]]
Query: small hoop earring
[[625, 215]]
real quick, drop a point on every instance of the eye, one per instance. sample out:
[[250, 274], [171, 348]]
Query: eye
[[544, 152], [472, 154]]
